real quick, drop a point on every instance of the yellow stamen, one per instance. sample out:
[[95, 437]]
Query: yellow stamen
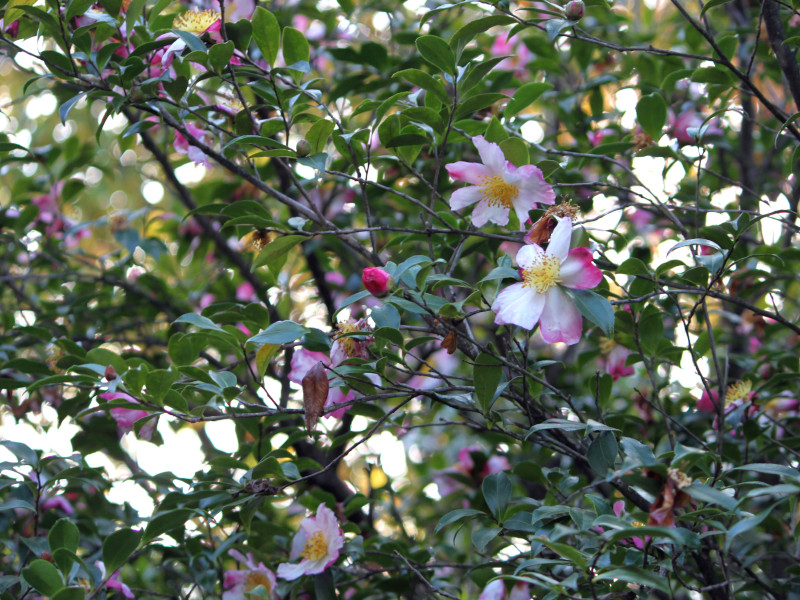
[[543, 274], [497, 192], [255, 579], [196, 22], [738, 391], [316, 546], [348, 343], [607, 345]]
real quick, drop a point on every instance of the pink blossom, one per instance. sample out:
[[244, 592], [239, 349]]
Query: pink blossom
[[691, 119], [302, 361], [512, 45], [494, 590], [58, 502], [126, 417], [467, 467], [182, 146], [134, 273], [539, 297], [317, 542], [377, 281], [708, 402], [497, 186], [351, 346], [239, 583], [245, 292], [613, 360], [520, 591], [113, 582], [619, 508]]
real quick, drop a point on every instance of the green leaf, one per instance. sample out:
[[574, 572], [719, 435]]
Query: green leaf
[[422, 80], [636, 575], [200, 322], [295, 46], [219, 55], [651, 112], [702, 492], [463, 36], [166, 521], [63, 534], [713, 75], [555, 26], [486, 374], [193, 42], [603, 452], [324, 588], [318, 135], [745, 525], [456, 515], [43, 577], [70, 593], [695, 242], [595, 308], [482, 537], [274, 254], [772, 469], [159, 382], [571, 554], [525, 96], [64, 109], [23, 452], [280, 332], [436, 51], [267, 34], [496, 489], [637, 453], [118, 547], [711, 4]]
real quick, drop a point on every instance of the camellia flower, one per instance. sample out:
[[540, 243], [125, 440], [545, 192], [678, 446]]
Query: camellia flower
[[539, 297], [350, 346], [238, 583], [182, 145], [317, 542], [113, 582], [377, 281], [613, 357], [498, 186], [126, 417]]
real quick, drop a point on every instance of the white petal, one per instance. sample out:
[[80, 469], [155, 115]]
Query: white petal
[[491, 155], [465, 196], [560, 239], [529, 254], [519, 306], [561, 320], [291, 571], [485, 212]]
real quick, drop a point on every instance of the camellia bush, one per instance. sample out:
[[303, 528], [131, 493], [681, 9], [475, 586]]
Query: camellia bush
[[472, 300]]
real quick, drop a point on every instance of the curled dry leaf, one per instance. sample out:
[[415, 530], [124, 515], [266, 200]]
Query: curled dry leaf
[[315, 393], [449, 342]]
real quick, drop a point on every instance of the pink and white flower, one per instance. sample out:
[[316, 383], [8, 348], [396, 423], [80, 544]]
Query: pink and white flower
[[113, 582], [494, 590], [318, 543], [238, 583], [195, 154], [539, 297], [126, 417], [498, 186]]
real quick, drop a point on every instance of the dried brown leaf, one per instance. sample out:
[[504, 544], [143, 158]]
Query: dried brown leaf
[[315, 393], [449, 342]]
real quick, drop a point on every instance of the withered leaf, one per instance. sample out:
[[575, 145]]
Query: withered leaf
[[449, 342], [315, 393]]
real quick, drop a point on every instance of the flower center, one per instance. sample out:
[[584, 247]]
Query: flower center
[[349, 343], [607, 345], [316, 546], [196, 22], [542, 275], [497, 192], [255, 579], [738, 391]]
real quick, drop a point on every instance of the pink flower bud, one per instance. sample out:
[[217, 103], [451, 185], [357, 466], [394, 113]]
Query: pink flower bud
[[377, 281], [574, 10]]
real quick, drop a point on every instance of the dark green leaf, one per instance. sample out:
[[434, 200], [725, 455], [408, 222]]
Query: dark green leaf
[[436, 51], [651, 112], [496, 489], [456, 515], [281, 332], [43, 577], [267, 34], [595, 308], [603, 452], [63, 534], [524, 97], [118, 547], [295, 46], [486, 374]]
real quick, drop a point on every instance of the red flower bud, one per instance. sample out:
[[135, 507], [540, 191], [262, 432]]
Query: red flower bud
[[377, 281], [574, 10], [111, 374]]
